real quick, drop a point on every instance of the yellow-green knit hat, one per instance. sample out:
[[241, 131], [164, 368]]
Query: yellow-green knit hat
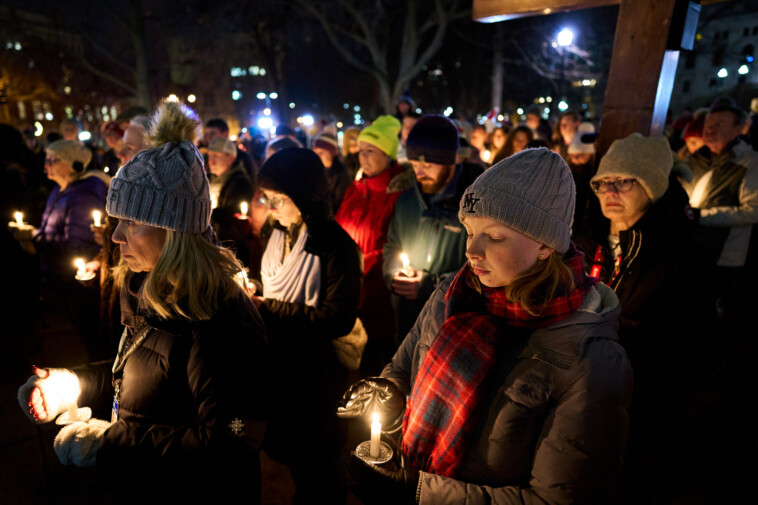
[[383, 133]]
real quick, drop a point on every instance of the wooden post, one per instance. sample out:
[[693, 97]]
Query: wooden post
[[642, 72], [641, 75]]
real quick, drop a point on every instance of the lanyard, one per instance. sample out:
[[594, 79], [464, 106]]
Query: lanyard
[[124, 351]]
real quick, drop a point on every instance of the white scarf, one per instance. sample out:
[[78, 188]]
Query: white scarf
[[297, 279]]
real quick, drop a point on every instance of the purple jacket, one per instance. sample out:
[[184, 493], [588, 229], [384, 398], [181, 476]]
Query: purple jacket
[[65, 230]]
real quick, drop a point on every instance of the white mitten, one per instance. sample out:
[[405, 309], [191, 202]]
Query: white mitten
[[59, 389], [78, 443]]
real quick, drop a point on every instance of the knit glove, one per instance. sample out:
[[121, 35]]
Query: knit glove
[[374, 484], [374, 394], [48, 393], [78, 443]]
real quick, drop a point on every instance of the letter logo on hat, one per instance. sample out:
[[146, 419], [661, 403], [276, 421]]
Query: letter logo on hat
[[469, 200]]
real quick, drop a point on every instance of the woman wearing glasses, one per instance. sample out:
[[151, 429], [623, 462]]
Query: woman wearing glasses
[[642, 247], [311, 276]]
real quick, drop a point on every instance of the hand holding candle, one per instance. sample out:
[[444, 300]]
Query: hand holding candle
[[82, 274]]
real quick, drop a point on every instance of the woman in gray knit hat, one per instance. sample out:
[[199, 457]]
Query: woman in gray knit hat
[[186, 418], [517, 389]]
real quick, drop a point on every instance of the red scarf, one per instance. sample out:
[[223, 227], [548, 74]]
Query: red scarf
[[445, 399]]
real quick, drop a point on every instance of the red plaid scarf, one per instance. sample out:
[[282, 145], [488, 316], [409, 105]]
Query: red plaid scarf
[[444, 401]]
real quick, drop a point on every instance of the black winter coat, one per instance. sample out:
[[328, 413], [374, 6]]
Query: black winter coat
[[308, 378], [661, 278], [193, 402]]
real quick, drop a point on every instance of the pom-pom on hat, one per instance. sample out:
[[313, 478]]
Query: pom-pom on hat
[[165, 186], [694, 128], [70, 151], [433, 139], [532, 192], [383, 133], [648, 160]]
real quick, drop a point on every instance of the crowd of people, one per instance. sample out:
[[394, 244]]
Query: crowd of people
[[531, 324]]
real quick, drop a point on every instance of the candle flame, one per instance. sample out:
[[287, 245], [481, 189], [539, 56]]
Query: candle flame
[[405, 260], [97, 215], [19, 218], [243, 208], [79, 263], [375, 417]]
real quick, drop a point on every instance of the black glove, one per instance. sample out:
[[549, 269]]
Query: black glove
[[374, 394], [373, 484]]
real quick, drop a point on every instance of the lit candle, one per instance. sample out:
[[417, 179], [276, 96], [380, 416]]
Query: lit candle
[[81, 268], [376, 434], [243, 208], [96, 215], [19, 219], [406, 270]]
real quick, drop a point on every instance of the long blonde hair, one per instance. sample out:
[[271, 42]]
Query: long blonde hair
[[189, 279], [534, 288]]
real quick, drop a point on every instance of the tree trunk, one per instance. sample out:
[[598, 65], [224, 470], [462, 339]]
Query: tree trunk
[[141, 70], [385, 95]]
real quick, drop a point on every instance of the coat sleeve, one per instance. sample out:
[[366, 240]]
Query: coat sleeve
[[578, 453], [746, 213], [336, 312], [226, 373]]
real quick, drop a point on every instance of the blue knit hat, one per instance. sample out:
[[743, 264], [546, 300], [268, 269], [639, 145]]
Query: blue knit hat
[[433, 139]]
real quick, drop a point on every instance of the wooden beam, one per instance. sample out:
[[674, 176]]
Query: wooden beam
[[492, 11], [641, 74]]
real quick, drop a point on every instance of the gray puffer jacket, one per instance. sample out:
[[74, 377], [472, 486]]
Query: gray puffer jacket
[[554, 425]]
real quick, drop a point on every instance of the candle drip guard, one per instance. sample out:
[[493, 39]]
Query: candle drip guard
[[385, 452], [85, 413]]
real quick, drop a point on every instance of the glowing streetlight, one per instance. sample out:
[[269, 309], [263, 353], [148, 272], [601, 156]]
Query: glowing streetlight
[[562, 105], [273, 95], [261, 95], [308, 120], [265, 123], [565, 37], [722, 73], [236, 95], [191, 98], [172, 98], [743, 70]]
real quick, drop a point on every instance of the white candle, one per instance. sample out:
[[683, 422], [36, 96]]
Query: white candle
[[19, 219], [73, 412], [376, 434], [243, 208], [81, 268], [96, 215]]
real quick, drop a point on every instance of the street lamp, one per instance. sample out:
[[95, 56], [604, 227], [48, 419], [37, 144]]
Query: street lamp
[[564, 39]]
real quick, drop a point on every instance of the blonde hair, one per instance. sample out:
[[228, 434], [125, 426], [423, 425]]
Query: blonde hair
[[536, 287], [347, 135], [189, 279]]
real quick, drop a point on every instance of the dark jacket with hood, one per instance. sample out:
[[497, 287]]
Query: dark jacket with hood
[[301, 335], [193, 403]]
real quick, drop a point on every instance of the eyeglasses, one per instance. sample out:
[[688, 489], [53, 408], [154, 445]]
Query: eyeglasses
[[272, 203], [51, 161], [619, 186]]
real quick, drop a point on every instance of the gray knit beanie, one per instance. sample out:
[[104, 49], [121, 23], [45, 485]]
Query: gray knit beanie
[[165, 186], [532, 192], [645, 159]]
